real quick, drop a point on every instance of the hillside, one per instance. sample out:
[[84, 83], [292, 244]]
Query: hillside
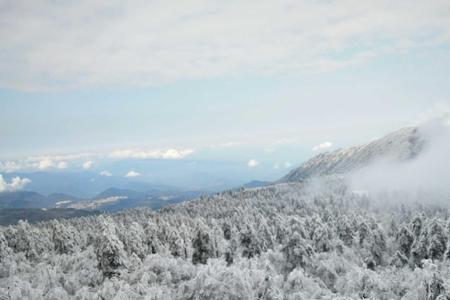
[[10, 216], [111, 199], [23, 199], [277, 242], [400, 145], [289, 240]]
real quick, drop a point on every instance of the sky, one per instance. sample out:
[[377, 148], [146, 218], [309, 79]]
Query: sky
[[266, 84]]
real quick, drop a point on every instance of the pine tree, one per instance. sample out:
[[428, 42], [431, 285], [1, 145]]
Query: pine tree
[[202, 247], [344, 230], [405, 240], [64, 238], [437, 240], [296, 252], [249, 243], [109, 249]]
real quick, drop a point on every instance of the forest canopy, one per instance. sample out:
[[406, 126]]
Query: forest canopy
[[285, 241]]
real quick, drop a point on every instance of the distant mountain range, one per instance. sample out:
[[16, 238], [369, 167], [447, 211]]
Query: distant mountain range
[[400, 145], [204, 175], [112, 199], [256, 183], [24, 199], [84, 185]]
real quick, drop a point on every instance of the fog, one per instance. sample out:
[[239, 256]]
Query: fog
[[424, 178]]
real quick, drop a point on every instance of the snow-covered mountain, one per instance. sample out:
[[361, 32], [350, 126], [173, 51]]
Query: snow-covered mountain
[[281, 241], [400, 145]]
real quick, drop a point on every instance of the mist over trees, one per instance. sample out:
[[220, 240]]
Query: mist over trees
[[285, 241]]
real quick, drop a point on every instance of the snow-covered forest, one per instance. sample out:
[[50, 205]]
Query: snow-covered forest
[[225, 150], [286, 241]]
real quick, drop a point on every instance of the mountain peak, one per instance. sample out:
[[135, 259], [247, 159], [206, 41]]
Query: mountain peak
[[403, 144]]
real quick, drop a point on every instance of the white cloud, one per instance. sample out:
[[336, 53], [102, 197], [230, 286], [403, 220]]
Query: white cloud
[[322, 146], [133, 174], [152, 154], [49, 162], [428, 174], [276, 166], [42, 162], [60, 161], [3, 184], [59, 157], [45, 164], [105, 173], [10, 166], [287, 164], [252, 163], [150, 43], [16, 183], [88, 164], [62, 165]]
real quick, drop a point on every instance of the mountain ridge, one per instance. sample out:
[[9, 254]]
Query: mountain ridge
[[401, 145]]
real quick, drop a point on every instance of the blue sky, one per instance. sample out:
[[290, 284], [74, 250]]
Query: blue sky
[[87, 79]]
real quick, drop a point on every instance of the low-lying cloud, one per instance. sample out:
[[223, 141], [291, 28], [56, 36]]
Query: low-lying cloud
[[86, 160], [42, 162], [151, 154], [16, 183], [427, 174], [88, 164], [252, 163], [105, 173], [133, 174], [62, 165]]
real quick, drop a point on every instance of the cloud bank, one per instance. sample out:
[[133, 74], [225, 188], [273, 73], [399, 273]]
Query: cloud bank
[[42, 162], [158, 154], [86, 160], [48, 44], [428, 174]]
